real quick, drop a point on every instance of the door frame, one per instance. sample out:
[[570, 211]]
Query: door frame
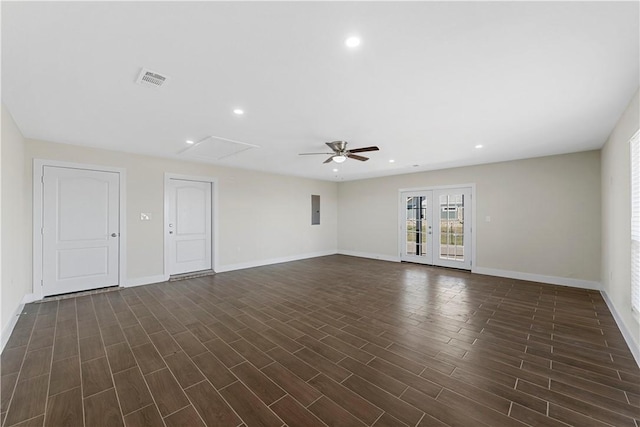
[[401, 209], [38, 213], [214, 217]]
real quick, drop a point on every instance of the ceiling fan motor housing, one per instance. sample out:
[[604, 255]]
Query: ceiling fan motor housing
[[340, 152]]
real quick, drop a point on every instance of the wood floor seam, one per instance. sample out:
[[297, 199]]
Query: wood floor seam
[[10, 403], [50, 369]]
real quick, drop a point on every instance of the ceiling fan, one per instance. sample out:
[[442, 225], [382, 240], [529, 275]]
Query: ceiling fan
[[340, 152]]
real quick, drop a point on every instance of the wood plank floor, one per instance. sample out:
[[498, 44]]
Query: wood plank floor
[[337, 341]]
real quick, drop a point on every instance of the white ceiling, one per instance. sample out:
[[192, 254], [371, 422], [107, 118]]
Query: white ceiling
[[429, 82]]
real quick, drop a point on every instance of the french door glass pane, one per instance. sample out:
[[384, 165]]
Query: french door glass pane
[[416, 225], [452, 227]]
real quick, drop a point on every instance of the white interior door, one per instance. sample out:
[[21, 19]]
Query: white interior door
[[80, 230], [189, 226], [435, 227]]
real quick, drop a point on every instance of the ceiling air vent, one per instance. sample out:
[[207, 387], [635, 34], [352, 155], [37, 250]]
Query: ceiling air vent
[[151, 78]]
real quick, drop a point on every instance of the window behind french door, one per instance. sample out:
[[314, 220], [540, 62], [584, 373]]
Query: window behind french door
[[435, 227]]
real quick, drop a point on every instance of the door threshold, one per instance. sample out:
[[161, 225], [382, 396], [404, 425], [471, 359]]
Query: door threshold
[[191, 275], [438, 266], [80, 293]]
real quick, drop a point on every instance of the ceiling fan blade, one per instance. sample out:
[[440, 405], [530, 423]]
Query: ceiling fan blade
[[363, 149], [328, 160], [337, 145], [313, 154], [356, 157]]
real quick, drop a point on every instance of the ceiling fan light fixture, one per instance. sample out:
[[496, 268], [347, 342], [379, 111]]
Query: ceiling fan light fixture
[[339, 158]]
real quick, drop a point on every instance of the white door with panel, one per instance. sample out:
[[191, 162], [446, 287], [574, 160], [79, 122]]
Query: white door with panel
[[81, 231], [436, 227], [189, 226]]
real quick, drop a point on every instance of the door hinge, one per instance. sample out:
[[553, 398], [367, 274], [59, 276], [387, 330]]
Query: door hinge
[[41, 230], [41, 282], [42, 179]]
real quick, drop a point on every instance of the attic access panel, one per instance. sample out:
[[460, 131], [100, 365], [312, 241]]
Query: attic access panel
[[215, 148]]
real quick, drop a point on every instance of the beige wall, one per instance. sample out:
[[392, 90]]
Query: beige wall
[[545, 215], [261, 217], [616, 220], [15, 275]]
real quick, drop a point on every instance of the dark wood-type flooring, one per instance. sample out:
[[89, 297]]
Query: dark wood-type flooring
[[336, 340]]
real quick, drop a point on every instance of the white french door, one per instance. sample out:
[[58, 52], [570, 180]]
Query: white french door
[[189, 225], [435, 227], [418, 226], [80, 229]]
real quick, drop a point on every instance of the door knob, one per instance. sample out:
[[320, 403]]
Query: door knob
[[170, 232], [114, 235]]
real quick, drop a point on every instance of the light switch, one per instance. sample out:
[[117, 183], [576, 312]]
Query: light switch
[[487, 219], [145, 216]]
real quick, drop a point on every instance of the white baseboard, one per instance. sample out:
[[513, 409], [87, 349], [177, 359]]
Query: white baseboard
[[259, 263], [140, 281], [8, 329], [27, 298], [628, 337], [6, 332], [369, 255], [553, 280]]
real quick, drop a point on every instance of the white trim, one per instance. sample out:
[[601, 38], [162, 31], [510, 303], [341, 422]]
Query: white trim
[[474, 225], [36, 256], [13, 320], [634, 211], [634, 347], [140, 281], [214, 217], [437, 187], [553, 280], [260, 263], [28, 298], [369, 255], [8, 329]]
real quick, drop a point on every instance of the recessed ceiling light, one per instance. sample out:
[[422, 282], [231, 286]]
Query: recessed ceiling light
[[238, 111], [352, 41], [335, 170], [392, 161], [479, 146], [188, 141]]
